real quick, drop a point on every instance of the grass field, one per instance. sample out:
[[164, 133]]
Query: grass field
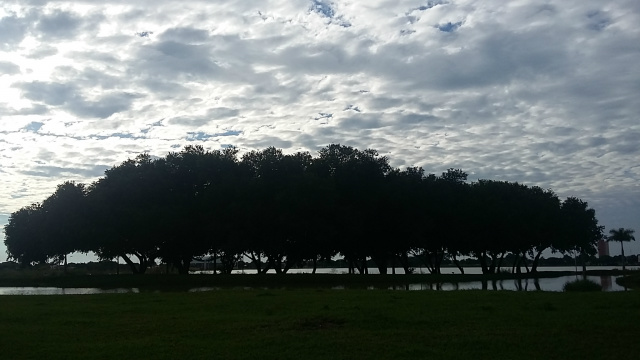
[[322, 324]]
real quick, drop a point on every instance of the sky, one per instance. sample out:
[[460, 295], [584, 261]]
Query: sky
[[545, 93]]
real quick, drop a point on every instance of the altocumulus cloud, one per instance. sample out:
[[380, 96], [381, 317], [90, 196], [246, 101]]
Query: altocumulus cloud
[[544, 94]]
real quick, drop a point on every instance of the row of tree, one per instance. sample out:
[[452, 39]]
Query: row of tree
[[280, 210]]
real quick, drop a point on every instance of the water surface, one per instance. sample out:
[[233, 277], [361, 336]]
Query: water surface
[[544, 284]]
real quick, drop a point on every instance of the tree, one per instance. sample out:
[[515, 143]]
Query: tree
[[579, 229], [66, 229], [196, 194], [359, 178], [621, 235], [24, 236], [129, 212], [283, 210]]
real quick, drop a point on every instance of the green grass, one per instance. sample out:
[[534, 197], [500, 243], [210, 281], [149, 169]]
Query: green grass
[[321, 324]]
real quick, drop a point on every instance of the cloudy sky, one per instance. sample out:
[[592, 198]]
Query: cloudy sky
[[545, 93]]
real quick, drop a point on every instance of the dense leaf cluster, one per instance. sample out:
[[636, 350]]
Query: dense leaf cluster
[[280, 210]]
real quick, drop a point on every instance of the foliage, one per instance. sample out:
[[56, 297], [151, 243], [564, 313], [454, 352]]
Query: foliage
[[282, 210], [630, 281], [582, 285], [621, 235]]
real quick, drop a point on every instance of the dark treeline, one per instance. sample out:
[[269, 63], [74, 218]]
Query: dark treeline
[[281, 210]]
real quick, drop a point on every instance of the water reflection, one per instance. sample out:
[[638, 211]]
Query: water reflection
[[63, 291], [545, 284]]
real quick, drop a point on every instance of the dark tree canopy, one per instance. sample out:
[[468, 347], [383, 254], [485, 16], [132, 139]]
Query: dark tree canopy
[[281, 210], [621, 235]]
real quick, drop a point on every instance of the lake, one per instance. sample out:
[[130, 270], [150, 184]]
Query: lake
[[445, 270], [544, 284]]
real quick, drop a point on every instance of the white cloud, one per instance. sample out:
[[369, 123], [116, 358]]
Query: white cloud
[[544, 94]]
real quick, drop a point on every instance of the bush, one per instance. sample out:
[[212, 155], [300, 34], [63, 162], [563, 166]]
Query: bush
[[582, 285]]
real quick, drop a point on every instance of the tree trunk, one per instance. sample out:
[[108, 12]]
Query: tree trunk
[[483, 263], [255, 259], [381, 264], [524, 262], [144, 263], [492, 267], [315, 264], [287, 266], [623, 259], [183, 265], [457, 263], [404, 260], [438, 264], [128, 261], [500, 261], [427, 261], [534, 265]]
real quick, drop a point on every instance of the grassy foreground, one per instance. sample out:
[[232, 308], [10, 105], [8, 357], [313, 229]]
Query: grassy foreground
[[322, 324]]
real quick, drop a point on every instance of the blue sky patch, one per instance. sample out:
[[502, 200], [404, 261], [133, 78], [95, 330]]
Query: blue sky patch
[[33, 126], [429, 5], [323, 8], [202, 136], [449, 27], [323, 116]]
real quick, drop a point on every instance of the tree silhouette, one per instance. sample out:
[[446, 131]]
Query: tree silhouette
[[579, 230], [621, 235], [66, 221], [128, 213], [284, 210], [24, 236]]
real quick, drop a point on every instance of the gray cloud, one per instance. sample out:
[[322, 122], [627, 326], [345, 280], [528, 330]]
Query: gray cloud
[[213, 114], [8, 68], [544, 94], [59, 24], [42, 52], [49, 93], [185, 35], [55, 171], [69, 97], [13, 29]]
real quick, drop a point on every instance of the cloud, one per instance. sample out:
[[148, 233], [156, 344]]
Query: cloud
[[8, 68], [544, 94], [212, 115], [50, 93], [42, 52], [13, 29], [59, 24], [69, 97], [55, 171]]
